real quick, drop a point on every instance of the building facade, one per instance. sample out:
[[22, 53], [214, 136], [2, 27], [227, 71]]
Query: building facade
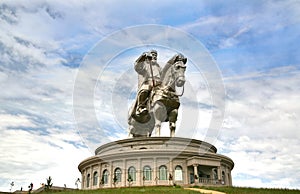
[[155, 161]]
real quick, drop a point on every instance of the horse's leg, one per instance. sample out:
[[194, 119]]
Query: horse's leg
[[157, 109], [172, 121], [130, 127], [157, 128], [160, 114]]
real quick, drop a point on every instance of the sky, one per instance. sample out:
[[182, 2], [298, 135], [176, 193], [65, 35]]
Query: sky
[[62, 85]]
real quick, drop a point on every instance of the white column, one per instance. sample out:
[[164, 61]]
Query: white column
[[196, 172], [100, 174], [111, 174], [155, 167], [186, 174], [219, 174], [171, 166], [230, 178], [91, 176], [124, 174], [138, 173], [83, 174], [170, 170], [225, 176]]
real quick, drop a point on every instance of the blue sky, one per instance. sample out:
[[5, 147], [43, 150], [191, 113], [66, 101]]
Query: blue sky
[[42, 47]]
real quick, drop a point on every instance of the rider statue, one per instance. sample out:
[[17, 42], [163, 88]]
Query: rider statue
[[156, 100], [149, 78]]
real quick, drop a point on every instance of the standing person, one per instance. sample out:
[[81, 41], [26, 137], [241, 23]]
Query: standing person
[[30, 188], [149, 77]]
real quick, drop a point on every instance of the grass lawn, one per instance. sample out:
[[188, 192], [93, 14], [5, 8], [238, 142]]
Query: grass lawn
[[133, 190], [176, 190], [244, 190]]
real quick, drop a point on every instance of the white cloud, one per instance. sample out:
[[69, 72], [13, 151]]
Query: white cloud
[[36, 103], [38, 129], [271, 160], [14, 121], [267, 103], [234, 25], [261, 128], [32, 158]]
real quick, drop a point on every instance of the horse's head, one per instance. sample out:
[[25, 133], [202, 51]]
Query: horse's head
[[178, 71], [173, 73]]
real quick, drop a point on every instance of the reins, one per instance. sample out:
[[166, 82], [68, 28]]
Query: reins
[[182, 91]]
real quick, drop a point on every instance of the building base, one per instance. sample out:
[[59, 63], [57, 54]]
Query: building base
[[155, 161]]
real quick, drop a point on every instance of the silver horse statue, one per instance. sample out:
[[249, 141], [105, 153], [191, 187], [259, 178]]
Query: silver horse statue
[[163, 103]]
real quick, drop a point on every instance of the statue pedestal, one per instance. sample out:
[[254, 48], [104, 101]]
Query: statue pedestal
[[151, 160]]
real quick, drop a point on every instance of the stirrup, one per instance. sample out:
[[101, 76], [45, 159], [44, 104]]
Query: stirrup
[[141, 111]]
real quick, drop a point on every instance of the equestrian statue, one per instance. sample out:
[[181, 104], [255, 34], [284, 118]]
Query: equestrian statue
[[157, 98]]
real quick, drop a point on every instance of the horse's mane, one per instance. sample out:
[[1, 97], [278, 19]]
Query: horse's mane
[[168, 65], [165, 70]]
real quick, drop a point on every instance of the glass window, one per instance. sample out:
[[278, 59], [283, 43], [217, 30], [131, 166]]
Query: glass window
[[147, 175], [95, 178], [88, 180], [162, 173], [178, 173], [132, 173], [105, 177], [117, 175]]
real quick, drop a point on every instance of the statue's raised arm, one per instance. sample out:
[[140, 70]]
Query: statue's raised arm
[[139, 65]]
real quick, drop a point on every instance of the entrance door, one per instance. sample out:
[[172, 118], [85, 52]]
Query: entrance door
[[192, 178]]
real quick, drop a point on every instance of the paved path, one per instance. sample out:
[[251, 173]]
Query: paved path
[[205, 191]]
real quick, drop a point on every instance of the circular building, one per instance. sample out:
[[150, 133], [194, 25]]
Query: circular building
[[155, 161]]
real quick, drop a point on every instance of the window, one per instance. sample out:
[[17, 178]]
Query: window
[[105, 177], [117, 175], [147, 173], [178, 173], [95, 178], [88, 180], [132, 173], [162, 173]]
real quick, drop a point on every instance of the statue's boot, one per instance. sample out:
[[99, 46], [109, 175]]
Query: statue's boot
[[142, 103], [141, 111]]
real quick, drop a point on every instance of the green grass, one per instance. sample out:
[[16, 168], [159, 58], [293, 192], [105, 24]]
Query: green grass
[[176, 190], [244, 190], [133, 190]]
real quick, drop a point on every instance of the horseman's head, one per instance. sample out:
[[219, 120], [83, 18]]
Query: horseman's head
[[179, 70], [154, 54]]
